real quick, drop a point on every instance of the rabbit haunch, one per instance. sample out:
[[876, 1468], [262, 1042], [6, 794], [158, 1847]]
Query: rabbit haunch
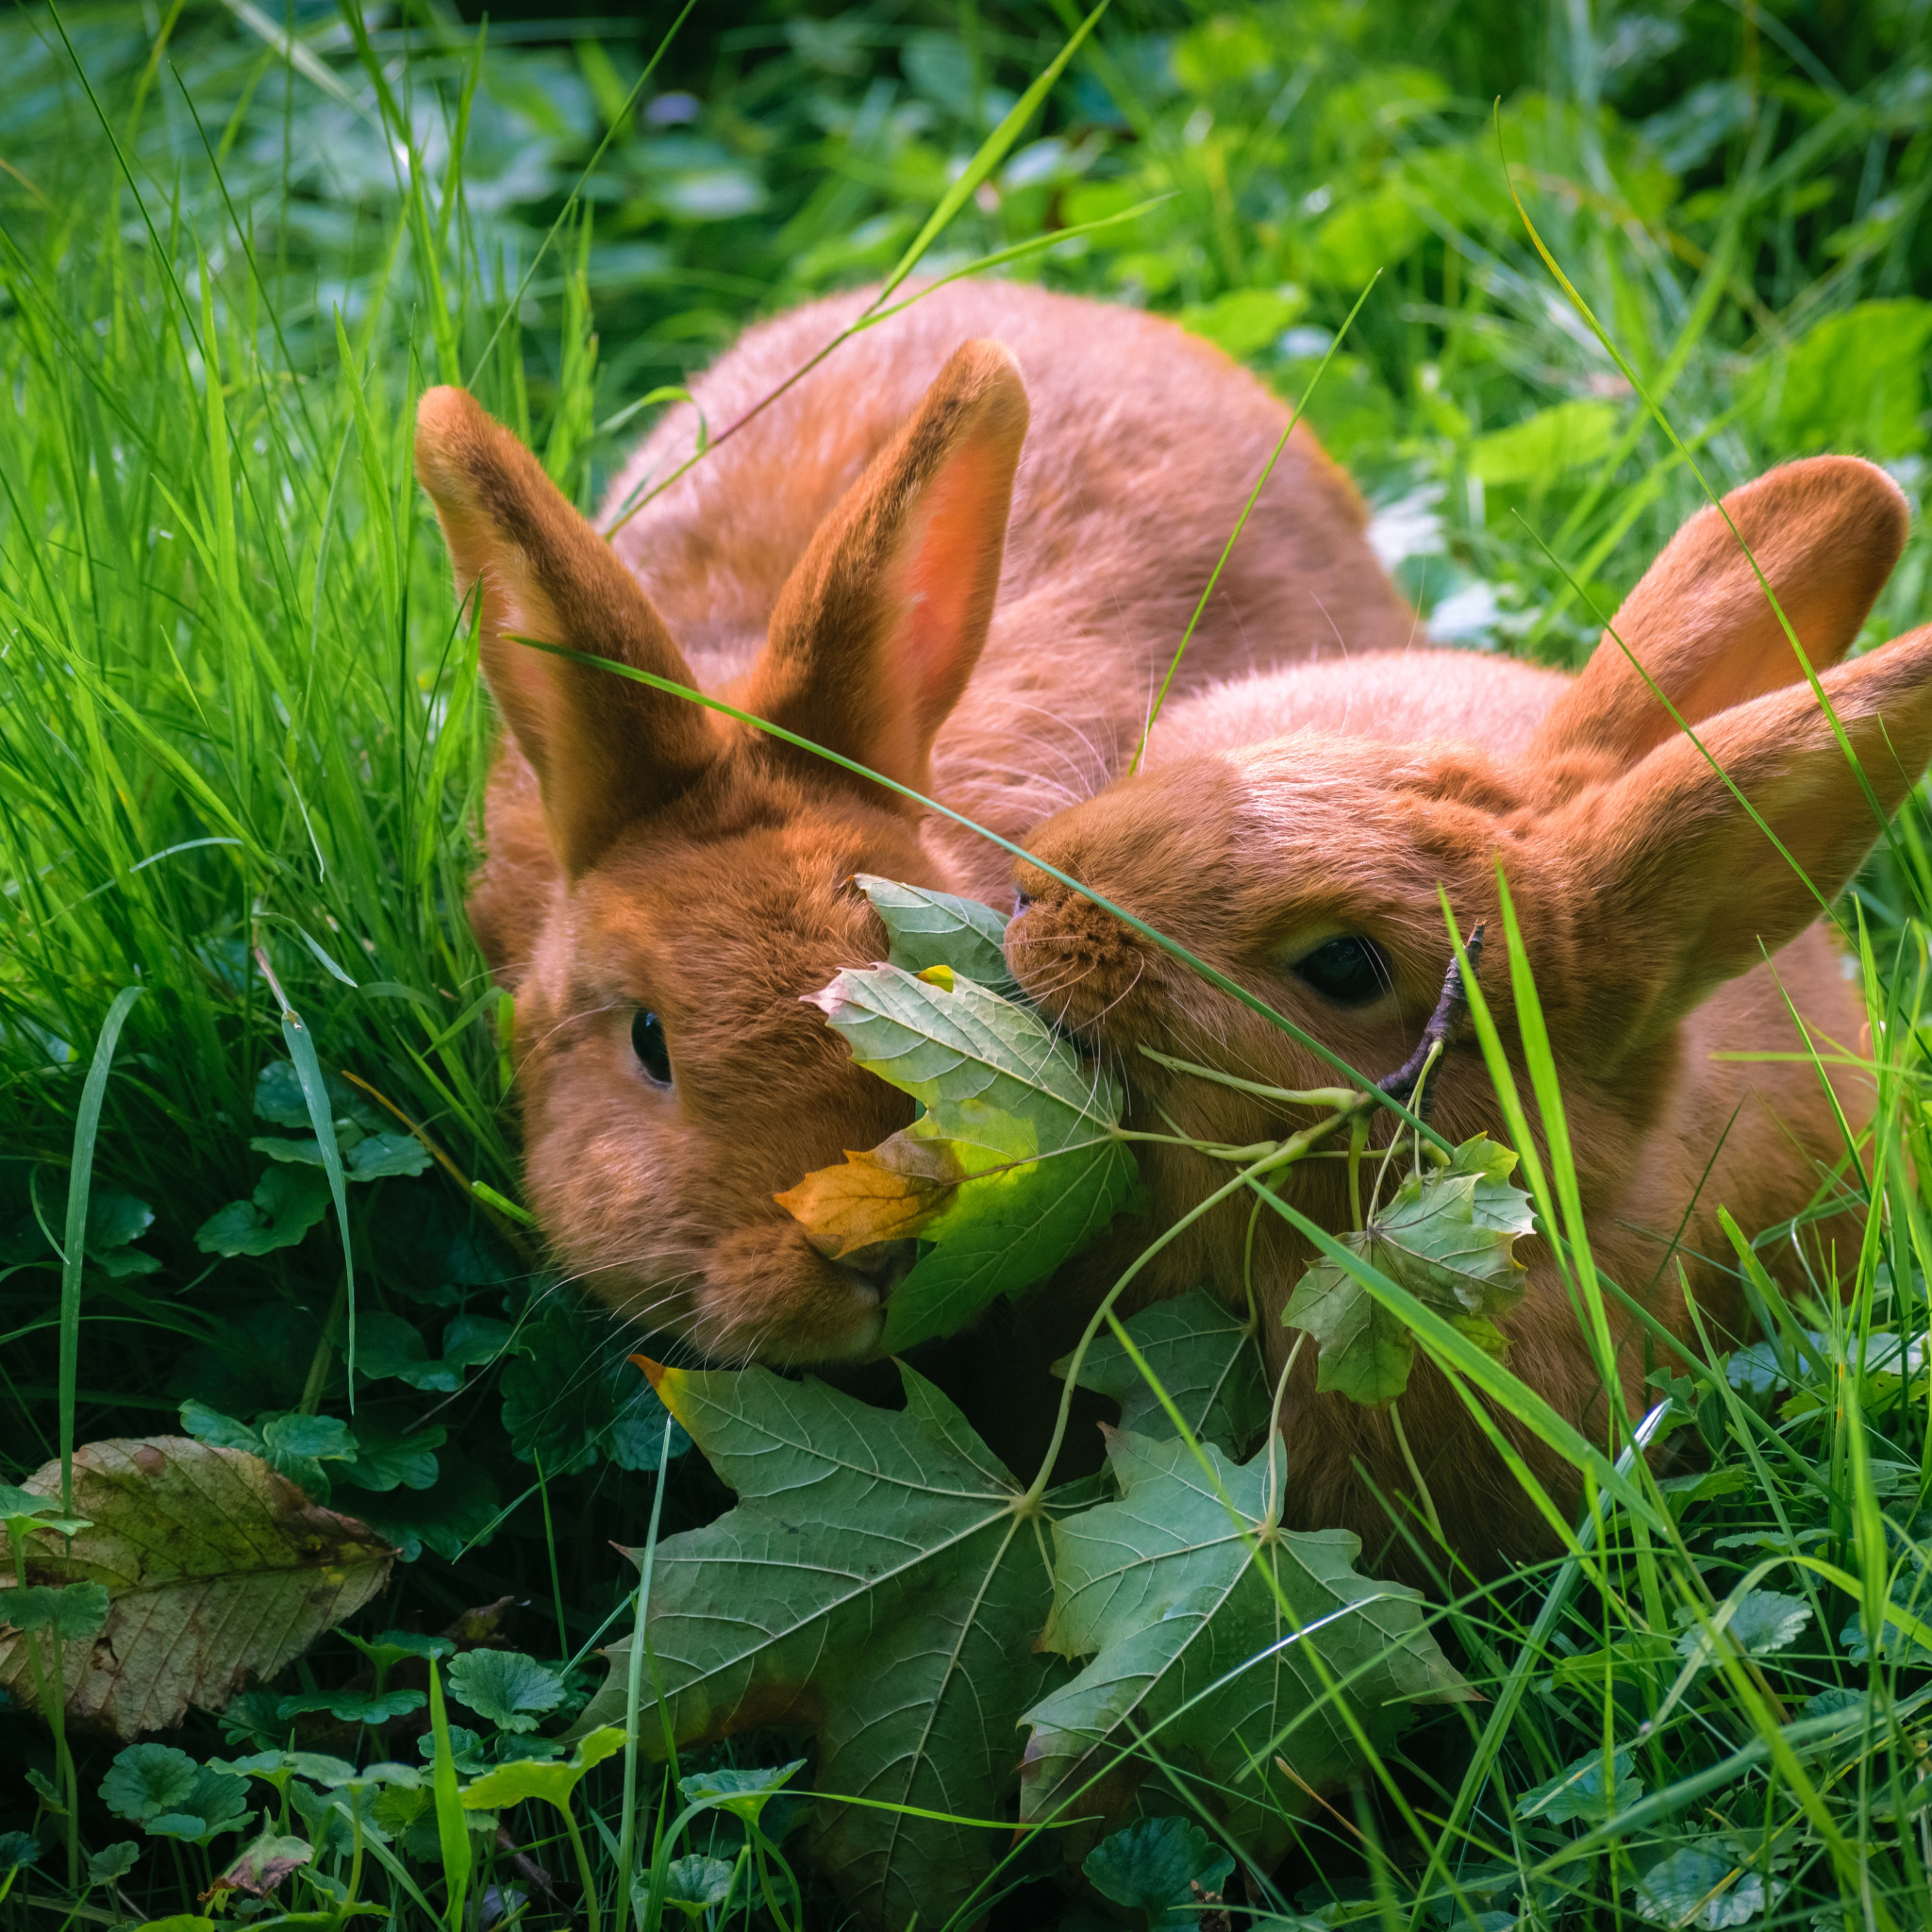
[[1648, 902], [844, 565]]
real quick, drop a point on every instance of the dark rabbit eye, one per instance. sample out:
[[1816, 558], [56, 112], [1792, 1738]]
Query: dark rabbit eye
[[1349, 970], [652, 1046]]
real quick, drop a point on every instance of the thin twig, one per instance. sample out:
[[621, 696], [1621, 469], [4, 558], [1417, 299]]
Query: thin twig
[[1445, 1023]]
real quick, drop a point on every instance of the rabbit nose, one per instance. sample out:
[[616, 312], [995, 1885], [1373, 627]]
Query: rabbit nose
[[881, 1267]]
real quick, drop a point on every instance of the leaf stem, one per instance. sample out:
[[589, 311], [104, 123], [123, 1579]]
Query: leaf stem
[[1422, 1488], [1276, 1158], [550, 1545], [585, 1876], [627, 1837]]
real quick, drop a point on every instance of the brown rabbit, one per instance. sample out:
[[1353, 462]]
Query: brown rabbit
[[662, 885], [1307, 868]]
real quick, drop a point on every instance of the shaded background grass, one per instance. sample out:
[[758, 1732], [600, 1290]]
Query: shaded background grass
[[234, 245]]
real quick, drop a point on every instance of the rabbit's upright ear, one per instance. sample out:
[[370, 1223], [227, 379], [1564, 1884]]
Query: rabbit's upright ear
[[879, 626], [1655, 888], [606, 749], [1826, 533]]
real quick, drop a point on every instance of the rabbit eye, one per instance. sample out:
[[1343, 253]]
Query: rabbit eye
[[652, 1046], [1348, 969]]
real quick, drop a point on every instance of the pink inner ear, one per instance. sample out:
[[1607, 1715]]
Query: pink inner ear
[[943, 579]]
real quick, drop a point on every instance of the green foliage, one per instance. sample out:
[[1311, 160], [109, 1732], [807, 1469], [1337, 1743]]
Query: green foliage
[[1223, 1639], [1206, 1362], [550, 1784], [509, 1689], [895, 1611], [1448, 1237], [1161, 1867], [285, 1206], [71, 1613], [1014, 1164]]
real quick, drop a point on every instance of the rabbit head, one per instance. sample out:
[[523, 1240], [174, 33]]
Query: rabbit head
[[687, 876], [1309, 868]]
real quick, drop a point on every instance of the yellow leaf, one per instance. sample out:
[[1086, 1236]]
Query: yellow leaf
[[868, 1200]]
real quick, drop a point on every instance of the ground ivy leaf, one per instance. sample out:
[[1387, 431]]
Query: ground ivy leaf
[[1578, 1791], [1448, 1237], [1014, 1164], [149, 1781], [515, 1784], [217, 1569], [279, 1099], [743, 1790], [928, 928], [1763, 1621], [1190, 1647], [75, 1611], [354, 1707], [567, 1394], [512, 1690], [1704, 1885], [877, 1582], [1205, 1358], [1156, 1867], [694, 1883], [378, 1155], [456, 1510], [112, 1861], [288, 1202]]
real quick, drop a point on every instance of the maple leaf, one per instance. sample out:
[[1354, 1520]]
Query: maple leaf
[[926, 928], [1448, 1237], [1015, 1163], [1169, 1590], [881, 1581], [1205, 1358]]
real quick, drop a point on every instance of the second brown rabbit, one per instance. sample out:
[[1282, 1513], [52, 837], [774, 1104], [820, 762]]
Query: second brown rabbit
[[1663, 926]]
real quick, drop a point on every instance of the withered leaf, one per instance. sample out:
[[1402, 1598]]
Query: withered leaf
[[216, 1570]]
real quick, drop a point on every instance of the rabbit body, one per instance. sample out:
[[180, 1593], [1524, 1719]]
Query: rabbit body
[[1142, 444], [1643, 889], [662, 886]]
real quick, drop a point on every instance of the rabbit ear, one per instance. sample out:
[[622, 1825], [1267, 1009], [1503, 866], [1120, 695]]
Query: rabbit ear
[[1661, 886], [879, 626], [605, 750], [1826, 533]]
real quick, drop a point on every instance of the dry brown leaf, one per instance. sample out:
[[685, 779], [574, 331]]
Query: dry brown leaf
[[217, 1569], [874, 1197]]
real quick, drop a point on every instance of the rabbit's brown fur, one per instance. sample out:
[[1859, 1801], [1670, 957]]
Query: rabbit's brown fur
[[844, 566], [1643, 890]]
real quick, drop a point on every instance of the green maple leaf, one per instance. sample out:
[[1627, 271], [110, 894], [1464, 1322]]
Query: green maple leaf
[[1168, 1590], [1202, 1355], [1015, 1163], [880, 1581], [1448, 1237], [928, 928]]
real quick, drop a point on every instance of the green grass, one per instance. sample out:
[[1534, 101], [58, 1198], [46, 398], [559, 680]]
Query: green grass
[[241, 733]]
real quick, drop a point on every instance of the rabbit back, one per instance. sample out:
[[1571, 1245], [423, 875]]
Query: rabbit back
[[1143, 446]]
